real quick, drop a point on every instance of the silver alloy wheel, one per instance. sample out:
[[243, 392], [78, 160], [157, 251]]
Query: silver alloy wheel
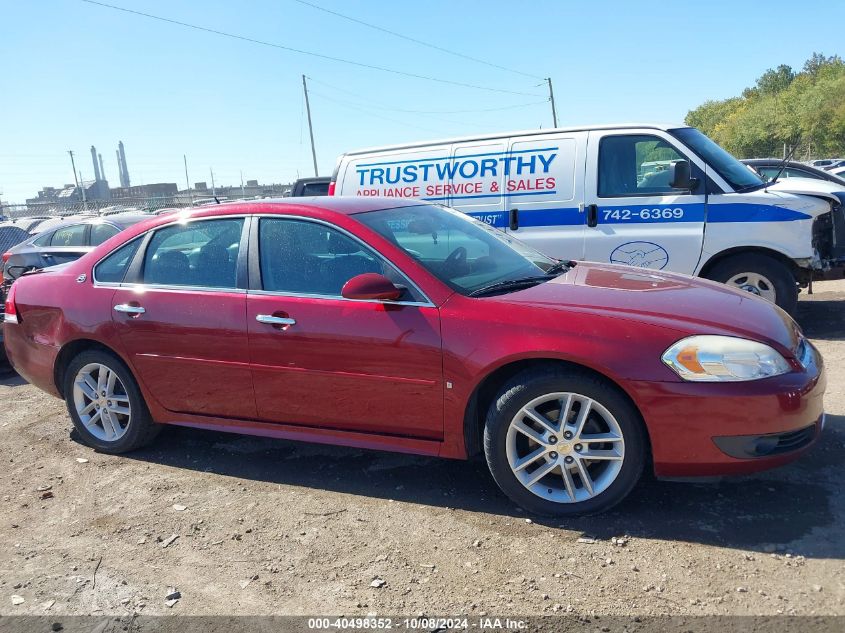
[[565, 447], [101, 401], [755, 283]]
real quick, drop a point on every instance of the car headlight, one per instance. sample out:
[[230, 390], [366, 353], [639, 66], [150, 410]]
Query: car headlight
[[710, 358]]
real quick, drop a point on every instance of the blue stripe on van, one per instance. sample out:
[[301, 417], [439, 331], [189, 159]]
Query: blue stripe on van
[[738, 212], [572, 216]]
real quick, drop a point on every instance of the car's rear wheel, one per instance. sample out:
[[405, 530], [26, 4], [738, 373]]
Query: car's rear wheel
[[760, 275], [564, 442], [105, 403]]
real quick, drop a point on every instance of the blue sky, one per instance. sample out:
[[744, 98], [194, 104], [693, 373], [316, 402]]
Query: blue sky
[[74, 74]]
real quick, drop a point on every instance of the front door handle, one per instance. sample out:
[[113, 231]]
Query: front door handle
[[269, 319], [592, 215], [129, 309]]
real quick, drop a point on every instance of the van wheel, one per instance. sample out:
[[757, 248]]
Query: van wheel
[[563, 442], [761, 275], [105, 403]]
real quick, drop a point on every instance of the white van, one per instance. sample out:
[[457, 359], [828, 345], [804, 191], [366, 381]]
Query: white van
[[654, 196]]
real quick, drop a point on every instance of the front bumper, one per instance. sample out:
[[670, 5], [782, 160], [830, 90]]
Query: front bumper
[[707, 429]]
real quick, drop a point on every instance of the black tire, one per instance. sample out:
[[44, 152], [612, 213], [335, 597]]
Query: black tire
[[779, 274], [535, 383], [140, 430]]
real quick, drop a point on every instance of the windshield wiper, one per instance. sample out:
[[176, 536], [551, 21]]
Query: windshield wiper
[[509, 284], [560, 266]]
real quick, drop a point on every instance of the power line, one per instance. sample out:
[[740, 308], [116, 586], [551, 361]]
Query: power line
[[375, 106], [305, 52], [368, 110], [416, 41], [377, 116]]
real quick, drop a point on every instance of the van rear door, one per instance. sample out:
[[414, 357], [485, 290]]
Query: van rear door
[[633, 216], [544, 181]]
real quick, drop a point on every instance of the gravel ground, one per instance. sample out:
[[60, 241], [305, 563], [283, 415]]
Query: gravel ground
[[240, 525]]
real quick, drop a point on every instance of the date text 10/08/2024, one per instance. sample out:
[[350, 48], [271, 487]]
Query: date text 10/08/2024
[[374, 623]]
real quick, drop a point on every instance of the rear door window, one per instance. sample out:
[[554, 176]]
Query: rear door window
[[113, 268], [199, 254]]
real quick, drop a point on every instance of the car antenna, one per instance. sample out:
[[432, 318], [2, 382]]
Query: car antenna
[[783, 163], [216, 200]]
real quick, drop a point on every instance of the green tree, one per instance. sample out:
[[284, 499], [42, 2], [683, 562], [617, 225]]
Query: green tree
[[783, 107]]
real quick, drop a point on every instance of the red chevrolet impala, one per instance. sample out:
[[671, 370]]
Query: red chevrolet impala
[[407, 326]]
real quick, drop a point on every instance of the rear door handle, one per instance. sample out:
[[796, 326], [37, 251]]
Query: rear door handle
[[128, 309], [269, 319]]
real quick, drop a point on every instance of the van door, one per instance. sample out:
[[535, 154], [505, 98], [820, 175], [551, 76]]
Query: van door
[[633, 216], [478, 179], [544, 180]]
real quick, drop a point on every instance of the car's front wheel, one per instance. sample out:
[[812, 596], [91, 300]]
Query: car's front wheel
[[105, 403], [563, 442]]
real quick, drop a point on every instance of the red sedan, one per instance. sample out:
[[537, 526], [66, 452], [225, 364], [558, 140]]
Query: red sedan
[[407, 326]]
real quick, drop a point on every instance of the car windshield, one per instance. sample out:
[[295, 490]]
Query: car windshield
[[734, 172], [464, 253]]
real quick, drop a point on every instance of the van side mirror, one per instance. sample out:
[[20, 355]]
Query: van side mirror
[[371, 286], [680, 176]]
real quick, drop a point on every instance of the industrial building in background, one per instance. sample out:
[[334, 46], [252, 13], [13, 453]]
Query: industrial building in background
[[95, 196], [122, 169]]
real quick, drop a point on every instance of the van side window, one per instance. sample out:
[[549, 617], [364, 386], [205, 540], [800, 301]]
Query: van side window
[[635, 165]]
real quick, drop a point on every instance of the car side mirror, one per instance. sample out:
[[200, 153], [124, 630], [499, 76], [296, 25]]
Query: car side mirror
[[680, 176], [371, 286]]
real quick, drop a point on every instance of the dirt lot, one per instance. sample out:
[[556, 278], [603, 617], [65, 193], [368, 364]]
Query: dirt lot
[[253, 526]]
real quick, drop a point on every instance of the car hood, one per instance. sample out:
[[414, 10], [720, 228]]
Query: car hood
[[685, 304], [810, 187]]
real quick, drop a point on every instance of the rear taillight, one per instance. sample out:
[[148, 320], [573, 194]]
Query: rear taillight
[[331, 192], [11, 308], [6, 256]]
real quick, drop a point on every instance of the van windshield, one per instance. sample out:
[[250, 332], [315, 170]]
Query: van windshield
[[734, 172], [462, 252]]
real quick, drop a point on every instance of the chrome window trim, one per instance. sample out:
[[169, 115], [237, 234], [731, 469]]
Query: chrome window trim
[[287, 216], [303, 295], [170, 288], [428, 303]]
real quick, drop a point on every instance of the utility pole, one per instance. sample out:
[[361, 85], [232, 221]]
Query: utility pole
[[310, 128], [82, 187], [213, 189], [552, 99], [243, 195], [188, 180]]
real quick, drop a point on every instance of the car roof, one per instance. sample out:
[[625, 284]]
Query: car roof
[[345, 205], [125, 219]]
